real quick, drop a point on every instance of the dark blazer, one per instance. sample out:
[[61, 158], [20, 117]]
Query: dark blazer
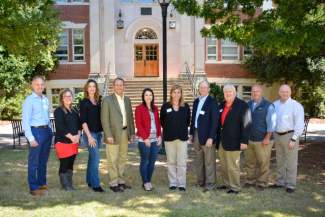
[[236, 127], [66, 122], [175, 123], [207, 122]]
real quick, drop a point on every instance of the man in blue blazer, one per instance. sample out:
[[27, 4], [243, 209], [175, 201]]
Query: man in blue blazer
[[203, 134]]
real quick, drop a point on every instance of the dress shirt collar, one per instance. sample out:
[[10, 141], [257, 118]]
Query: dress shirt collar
[[203, 97], [119, 97], [36, 96], [287, 101]]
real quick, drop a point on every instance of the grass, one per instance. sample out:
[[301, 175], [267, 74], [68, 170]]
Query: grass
[[308, 200]]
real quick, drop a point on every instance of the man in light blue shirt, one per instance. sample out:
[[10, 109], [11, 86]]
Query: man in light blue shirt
[[37, 129]]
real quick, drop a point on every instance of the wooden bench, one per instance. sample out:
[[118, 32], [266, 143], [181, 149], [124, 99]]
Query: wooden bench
[[17, 130], [307, 118]]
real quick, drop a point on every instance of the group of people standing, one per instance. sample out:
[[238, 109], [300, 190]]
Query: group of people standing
[[231, 127]]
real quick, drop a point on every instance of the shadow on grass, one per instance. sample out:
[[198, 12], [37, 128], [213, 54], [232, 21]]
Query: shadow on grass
[[308, 200]]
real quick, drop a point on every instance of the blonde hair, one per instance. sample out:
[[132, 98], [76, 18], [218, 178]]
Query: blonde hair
[[62, 93], [181, 100]]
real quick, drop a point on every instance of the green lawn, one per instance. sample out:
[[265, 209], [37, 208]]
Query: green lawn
[[308, 200]]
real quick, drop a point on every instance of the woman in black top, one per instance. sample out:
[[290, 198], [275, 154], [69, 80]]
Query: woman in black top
[[92, 131], [68, 128], [175, 117]]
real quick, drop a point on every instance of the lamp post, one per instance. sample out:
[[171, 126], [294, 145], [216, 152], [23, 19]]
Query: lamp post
[[164, 6]]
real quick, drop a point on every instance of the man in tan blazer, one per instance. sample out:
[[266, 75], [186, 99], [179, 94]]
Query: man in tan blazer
[[118, 124]]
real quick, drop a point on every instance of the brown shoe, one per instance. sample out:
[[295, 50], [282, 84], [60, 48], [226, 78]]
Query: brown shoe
[[37, 192], [44, 187]]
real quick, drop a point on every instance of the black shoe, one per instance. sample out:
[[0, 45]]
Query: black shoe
[[232, 192], [124, 186], [116, 189], [182, 189], [275, 186], [259, 188], [222, 187], [290, 190], [98, 189], [89, 185], [172, 188], [248, 185]]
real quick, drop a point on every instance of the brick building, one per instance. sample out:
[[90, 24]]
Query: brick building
[[123, 38]]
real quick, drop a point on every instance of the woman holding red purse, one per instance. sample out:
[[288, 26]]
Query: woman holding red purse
[[68, 129]]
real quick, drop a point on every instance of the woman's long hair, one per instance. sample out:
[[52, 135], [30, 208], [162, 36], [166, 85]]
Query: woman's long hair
[[153, 98], [61, 104], [86, 94], [181, 100]]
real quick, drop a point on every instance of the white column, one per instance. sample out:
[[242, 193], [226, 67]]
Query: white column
[[199, 46], [94, 36], [108, 36], [187, 42]]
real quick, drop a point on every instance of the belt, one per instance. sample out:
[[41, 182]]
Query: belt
[[284, 133], [124, 128], [41, 126]]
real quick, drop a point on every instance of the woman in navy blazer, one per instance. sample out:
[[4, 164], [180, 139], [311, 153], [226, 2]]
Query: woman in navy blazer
[[149, 133]]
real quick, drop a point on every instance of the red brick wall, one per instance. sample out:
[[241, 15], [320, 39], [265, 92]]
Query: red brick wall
[[75, 14], [227, 71]]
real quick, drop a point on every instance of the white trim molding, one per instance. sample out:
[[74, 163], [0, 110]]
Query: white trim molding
[[71, 25]]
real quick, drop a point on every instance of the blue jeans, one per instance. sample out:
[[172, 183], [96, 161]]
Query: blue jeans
[[92, 177], [38, 157], [148, 158]]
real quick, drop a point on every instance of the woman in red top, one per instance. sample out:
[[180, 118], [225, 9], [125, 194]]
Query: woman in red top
[[149, 131]]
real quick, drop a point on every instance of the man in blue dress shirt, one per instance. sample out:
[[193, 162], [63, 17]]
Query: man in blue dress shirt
[[37, 128]]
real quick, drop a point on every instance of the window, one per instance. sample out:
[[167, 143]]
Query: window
[[55, 97], [78, 45], [146, 33], [62, 50], [229, 50], [211, 49], [66, 1], [246, 93], [248, 51], [146, 11]]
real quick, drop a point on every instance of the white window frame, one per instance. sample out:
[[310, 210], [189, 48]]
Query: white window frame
[[207, 51], [229, 55], [78, 45], [66, 31], [71, 2]]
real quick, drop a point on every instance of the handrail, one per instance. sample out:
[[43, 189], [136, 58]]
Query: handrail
[[192, 79], [105, 89]]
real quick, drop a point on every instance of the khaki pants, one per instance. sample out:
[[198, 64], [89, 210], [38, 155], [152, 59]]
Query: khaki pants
[[257, 163], [286, 161], [205, 162], [176, 152], [230, 168], [116, 158]]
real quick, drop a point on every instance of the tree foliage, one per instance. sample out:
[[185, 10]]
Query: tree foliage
[[29, 32], [288, 40], [30, 28]]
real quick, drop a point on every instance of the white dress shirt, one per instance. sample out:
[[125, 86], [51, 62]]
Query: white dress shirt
[[289, 116], [120, 101], [199, 108]]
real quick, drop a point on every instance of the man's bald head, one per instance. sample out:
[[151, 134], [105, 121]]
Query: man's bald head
[[284, 92]]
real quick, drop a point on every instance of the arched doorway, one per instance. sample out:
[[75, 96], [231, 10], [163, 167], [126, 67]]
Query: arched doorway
[[146, 53]]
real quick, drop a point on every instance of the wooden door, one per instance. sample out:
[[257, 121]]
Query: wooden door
[[146, 62]]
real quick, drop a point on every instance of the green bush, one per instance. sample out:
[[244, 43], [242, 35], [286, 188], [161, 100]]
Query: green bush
[[216, 92]]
